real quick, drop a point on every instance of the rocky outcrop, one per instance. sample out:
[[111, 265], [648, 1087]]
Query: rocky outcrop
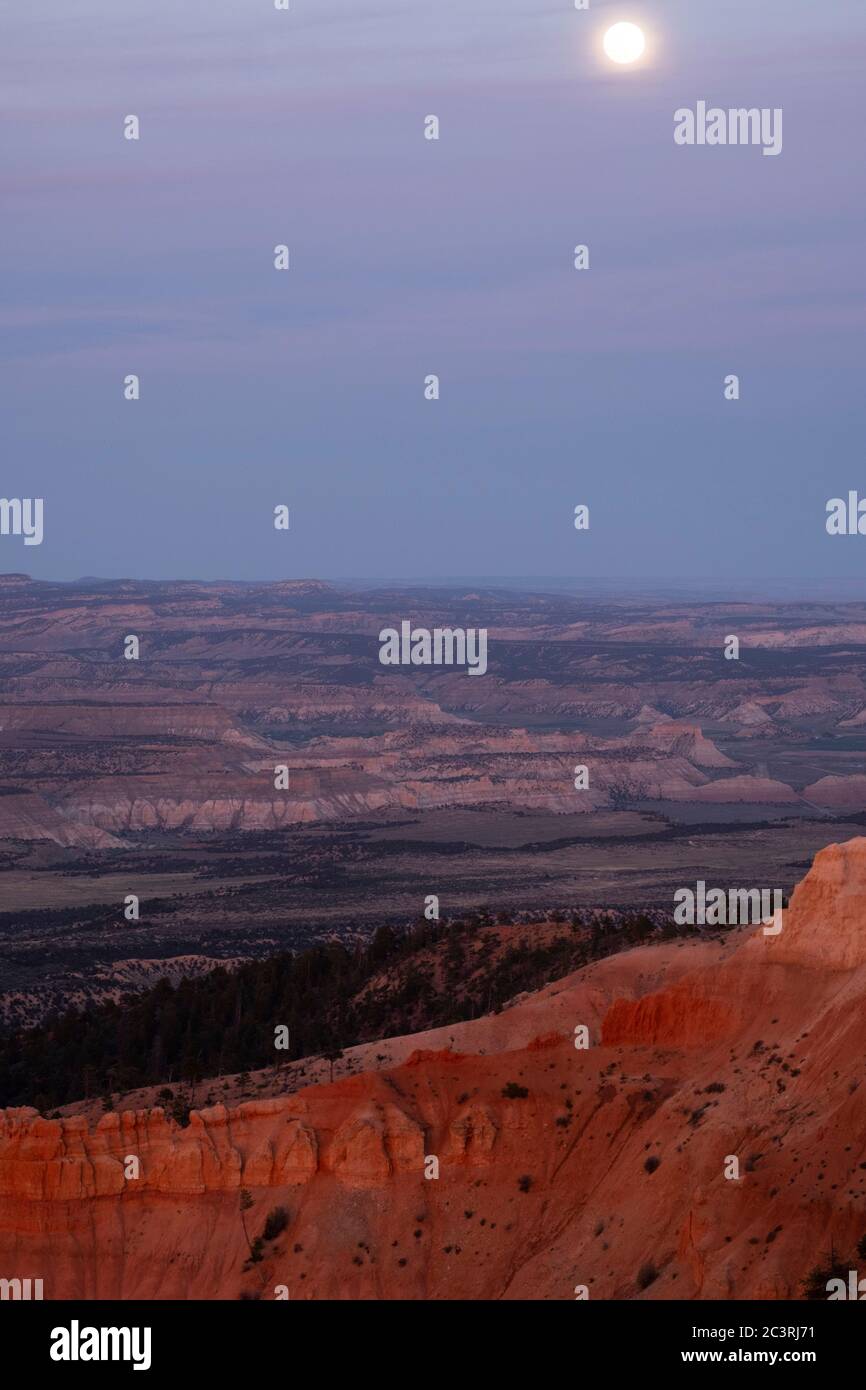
[[746, 790], [683, 1016], [28, 816], [686, 740], [825, 926]]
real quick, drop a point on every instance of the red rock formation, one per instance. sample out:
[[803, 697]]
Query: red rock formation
[[749, 1047], [680, 1016]]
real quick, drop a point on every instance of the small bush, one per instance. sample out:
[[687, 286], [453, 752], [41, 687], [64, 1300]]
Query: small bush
[[180, 1112], [276, 1223], [524, 1183], [646, 1275], [511, 1091], [652, 1163], [815, 1283]]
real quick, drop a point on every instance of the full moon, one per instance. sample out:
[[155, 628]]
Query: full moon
[[624, 43]]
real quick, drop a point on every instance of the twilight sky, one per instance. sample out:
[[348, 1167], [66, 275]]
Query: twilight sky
[[412, 257]]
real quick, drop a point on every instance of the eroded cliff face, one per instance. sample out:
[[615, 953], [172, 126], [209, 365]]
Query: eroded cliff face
[[334, 779], [825, 926], [557, 1166]]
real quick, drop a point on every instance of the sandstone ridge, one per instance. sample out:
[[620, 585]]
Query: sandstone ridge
[[556, 1165]]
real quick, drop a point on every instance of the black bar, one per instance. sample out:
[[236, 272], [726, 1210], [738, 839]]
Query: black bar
[[249, 1340]]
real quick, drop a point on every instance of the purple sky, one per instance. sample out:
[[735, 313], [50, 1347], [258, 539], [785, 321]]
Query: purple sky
[[412, 257]]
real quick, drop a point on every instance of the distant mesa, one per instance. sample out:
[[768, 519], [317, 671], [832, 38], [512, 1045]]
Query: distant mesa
[[746, 790], [838, 793], [747, 713], [686, 740], [648, 714], [302, 587]]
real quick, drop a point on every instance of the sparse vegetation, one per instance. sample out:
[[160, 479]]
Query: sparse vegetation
[[245, 1201], [512, 1091], [815, 1283], [276, 1222], [331, 997]]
